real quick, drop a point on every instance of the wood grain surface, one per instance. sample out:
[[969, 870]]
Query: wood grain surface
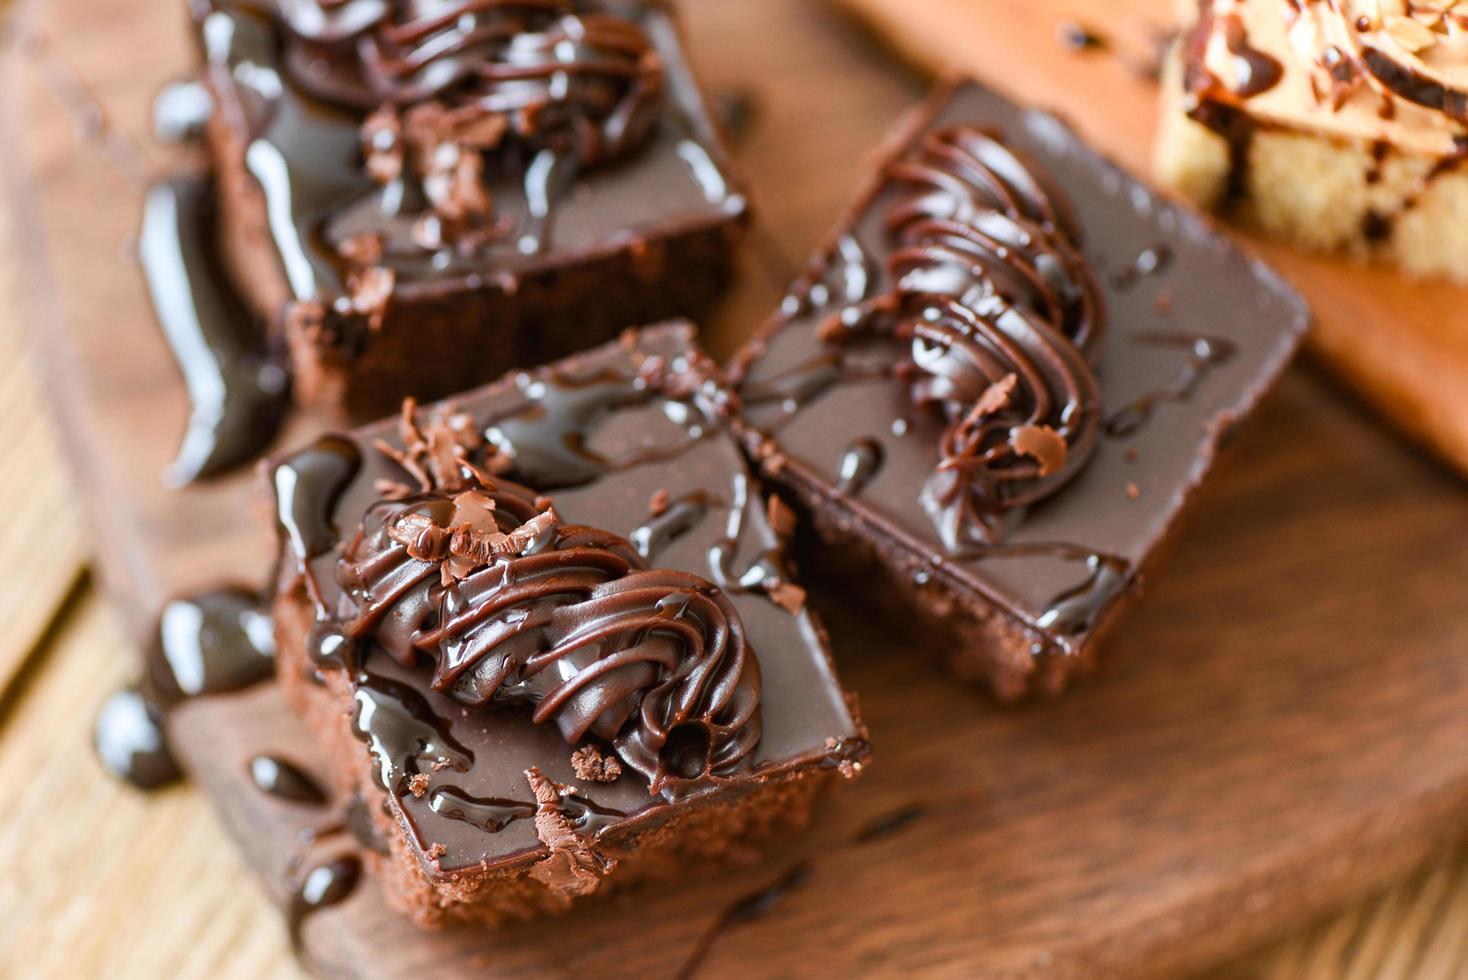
[[1283, 730], [1400, 345]]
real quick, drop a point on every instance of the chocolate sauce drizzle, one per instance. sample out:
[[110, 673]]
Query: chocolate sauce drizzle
[[676, 519], [515, 606], [237, 392], [493, 814], [1003, 317], [860, 462], [453, 90], [1205, 354], [209, 644]]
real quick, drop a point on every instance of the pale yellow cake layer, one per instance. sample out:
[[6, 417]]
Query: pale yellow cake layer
[[1320, 193]]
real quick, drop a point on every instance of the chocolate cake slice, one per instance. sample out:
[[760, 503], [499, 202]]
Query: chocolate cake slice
[[549, 637], [1000, 382], [418, 196]]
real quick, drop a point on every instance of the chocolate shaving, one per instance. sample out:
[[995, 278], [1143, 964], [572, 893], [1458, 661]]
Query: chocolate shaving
[[572, 868], [1042, 444], [781, 517], [787, 595]]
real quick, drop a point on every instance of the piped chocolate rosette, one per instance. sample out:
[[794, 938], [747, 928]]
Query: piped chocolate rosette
[[1003, 316], [454, 88], [512, 605]]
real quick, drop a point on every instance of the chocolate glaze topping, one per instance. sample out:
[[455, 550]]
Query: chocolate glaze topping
[[515, 606], [1003, 317], [451, 93], [555, 612], [827, 387]]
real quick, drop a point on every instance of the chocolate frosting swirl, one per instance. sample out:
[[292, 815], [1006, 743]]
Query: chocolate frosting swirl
[[513, 606], [1003, 316], [559, 74]]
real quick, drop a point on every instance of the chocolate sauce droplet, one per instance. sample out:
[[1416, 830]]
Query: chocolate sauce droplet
[[1075, 610], [308, 486], [181, 110], [237, 394], [1077, 37], [284, 780], [680, 517], [324, 885], [1258, 72], [859, 463], [130, 741], [213, 643], [1150, 261]]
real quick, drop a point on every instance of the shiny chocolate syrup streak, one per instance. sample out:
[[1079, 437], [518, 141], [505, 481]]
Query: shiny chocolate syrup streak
[[677, 518], [1004, 319], [454, 87], [493, 814], [1204, 354], [284, 780], [325, 885], [237, 392], [209, 644], [860, 461]]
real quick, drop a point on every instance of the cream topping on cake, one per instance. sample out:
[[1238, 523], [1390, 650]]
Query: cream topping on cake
[[1371, 70]]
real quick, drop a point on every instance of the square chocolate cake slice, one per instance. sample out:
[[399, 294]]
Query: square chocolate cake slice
[[419, 196], [548, 635], [999, 383]]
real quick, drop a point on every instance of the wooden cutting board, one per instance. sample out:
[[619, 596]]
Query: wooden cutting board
[[1285, 725]]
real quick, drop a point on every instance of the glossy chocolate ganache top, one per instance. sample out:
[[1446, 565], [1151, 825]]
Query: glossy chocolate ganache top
[[1015, 362], [630, 640], [424, 144]]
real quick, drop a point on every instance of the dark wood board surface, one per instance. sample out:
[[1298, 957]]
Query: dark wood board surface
[[1284, 726]]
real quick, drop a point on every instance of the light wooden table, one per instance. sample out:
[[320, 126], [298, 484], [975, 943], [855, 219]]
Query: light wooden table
[[99, 881]]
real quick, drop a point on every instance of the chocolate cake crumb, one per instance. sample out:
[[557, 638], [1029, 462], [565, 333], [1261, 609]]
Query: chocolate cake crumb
[[657, 505], [1133, 491], [589, 764], [418, 784], [436, 851]]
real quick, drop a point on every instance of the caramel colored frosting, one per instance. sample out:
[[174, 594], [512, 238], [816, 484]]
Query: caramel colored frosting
[[1371, 70]]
